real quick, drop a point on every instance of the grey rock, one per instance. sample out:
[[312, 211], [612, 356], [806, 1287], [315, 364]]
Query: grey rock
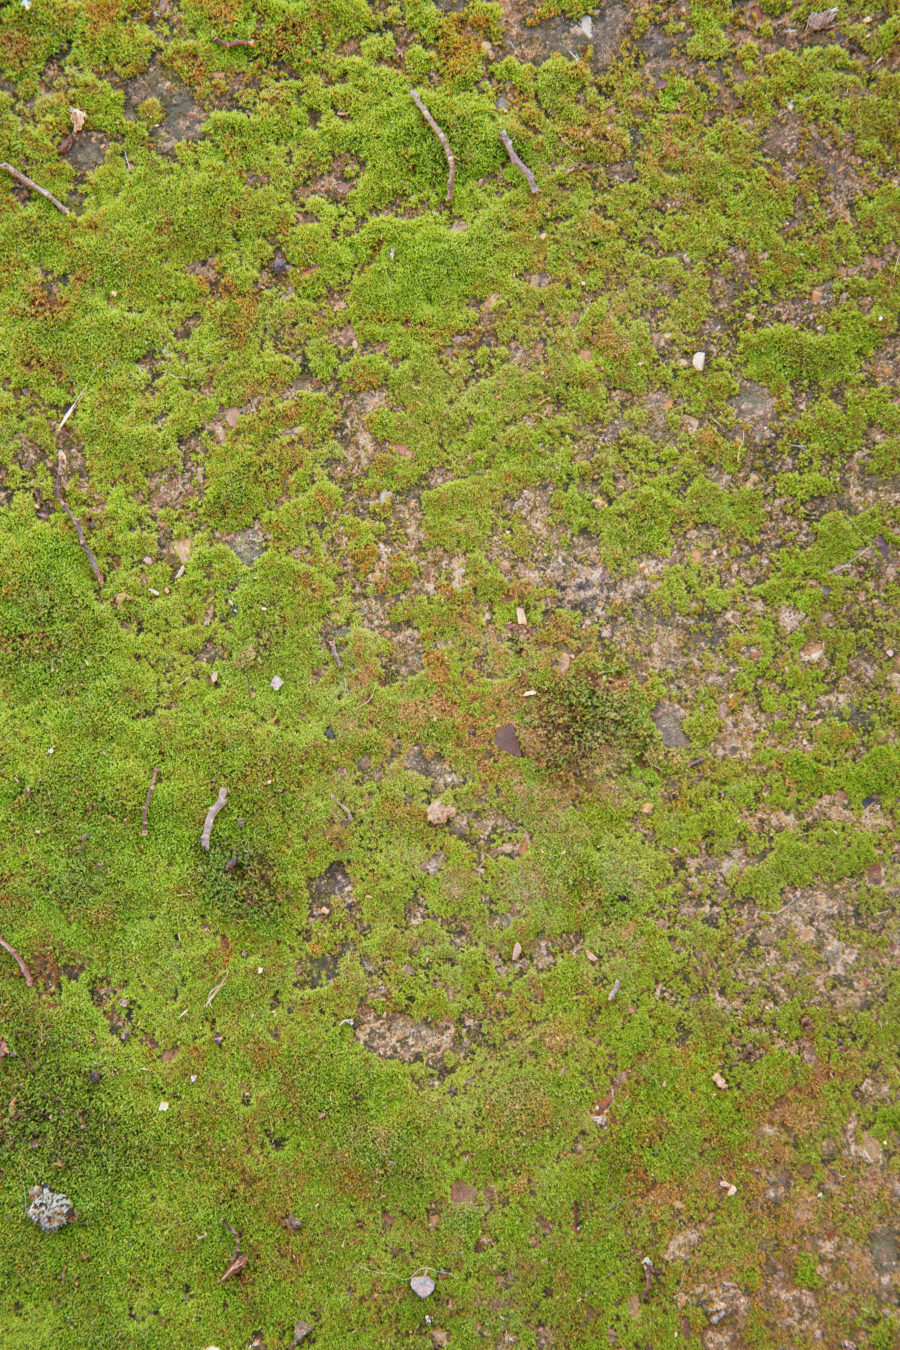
[[301, 1331], [668, 723], [883, 1246], [423, 1285]]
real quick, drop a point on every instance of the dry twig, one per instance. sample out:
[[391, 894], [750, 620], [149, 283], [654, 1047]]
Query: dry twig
[[78, 530], [29, 978], [211, 817], [147, 802], [239, 1260], [234, 42], [520, 165], [332, 647], [35, 187], [342, 806], [441, 137], [211, 995]]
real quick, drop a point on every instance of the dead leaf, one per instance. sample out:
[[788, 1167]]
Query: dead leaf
[[236, 1266], [506, 739], [66, 144], [590, 956], [439, 813], [4, 1048], [602, 1106], [517, 951], [720, 1082], [821, 19], [78, 119]]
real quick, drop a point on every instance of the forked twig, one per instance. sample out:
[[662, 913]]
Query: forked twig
[[147, 802], [35, 187], [29, 978], [211, 995], [441, 137], [211, 817], [520, 164]]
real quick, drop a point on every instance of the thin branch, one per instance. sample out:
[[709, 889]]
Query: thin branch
[[342, 806], [147, 802], [332, 647], [78, 530], [211, 817], [443, 140], [35, 187], [520, 165], [235, 42], [29, 978]]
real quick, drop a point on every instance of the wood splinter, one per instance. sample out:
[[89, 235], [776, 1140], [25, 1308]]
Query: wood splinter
[[147, 802], [211, 817], [235, 42], [35, 187], [519, 164], [443, 140], [29, 978]]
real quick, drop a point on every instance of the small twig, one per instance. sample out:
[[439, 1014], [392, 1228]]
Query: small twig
[[29, 978], [211, 817], [342, 806], [72, 406], [332, 647], [648, 1281], [773, 912], [212, 994], [147, 802], [443, 140], [35, 187], [127, 164], [239, 1260], [520, 165], [78, 530], [235, 42]]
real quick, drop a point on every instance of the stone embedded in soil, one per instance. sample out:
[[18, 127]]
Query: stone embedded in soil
[[439, 813], [668, 723], [301, 1330], [423, 1285], [461, 1193]]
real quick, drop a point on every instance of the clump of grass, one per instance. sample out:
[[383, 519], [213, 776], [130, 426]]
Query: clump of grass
[[594, 717], [242, 884]]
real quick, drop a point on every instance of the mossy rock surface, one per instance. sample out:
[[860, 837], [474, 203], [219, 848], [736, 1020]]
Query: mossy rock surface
[[592, 1021]]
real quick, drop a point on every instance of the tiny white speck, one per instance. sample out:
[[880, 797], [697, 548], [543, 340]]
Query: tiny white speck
[[50, 751], [259, 970], [193, 1078], [163, 1106], [26, 4], [264, 606]]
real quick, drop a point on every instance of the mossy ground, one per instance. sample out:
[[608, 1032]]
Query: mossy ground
[[322, 414]]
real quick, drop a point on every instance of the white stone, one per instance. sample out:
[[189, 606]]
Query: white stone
[[698, 360]]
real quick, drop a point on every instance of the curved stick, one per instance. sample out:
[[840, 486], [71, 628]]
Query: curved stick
[[29, 978], [147, 802], [211, 816], [520, 165], [78, 530], [442, 138]]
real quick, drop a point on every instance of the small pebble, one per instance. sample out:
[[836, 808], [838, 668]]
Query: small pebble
[[329, 733], [163, 1106], [423, 1285], [698, 360], [612, 993], [517, 951], [277, 682]]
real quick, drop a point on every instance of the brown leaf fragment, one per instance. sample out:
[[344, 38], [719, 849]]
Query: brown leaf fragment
[[461, 1193], [720, 1082], [506, 739], [821, 19], [66, 144], [236, 1266]]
